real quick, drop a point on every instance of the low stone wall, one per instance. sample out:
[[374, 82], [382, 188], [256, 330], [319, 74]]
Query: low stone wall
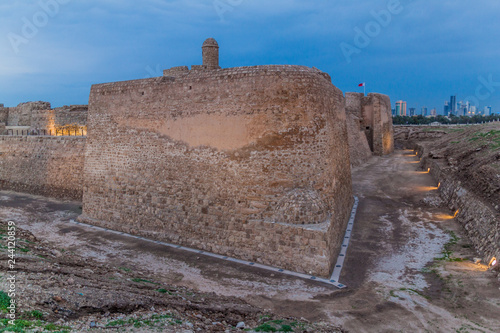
[[50, 166], [478, 217]]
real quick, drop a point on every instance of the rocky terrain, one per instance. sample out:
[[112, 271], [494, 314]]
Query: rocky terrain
[[58, 290], [471, 153]]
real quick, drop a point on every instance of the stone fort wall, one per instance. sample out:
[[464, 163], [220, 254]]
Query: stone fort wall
[[373, 112], [40, 115], [251, 162], [51, 166]]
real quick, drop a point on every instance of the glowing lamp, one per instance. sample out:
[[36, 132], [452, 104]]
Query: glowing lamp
[[439, 185], [429, 170], [456, 213], [493, 262]]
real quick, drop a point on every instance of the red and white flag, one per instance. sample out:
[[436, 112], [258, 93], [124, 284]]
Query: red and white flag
[[361, 84]]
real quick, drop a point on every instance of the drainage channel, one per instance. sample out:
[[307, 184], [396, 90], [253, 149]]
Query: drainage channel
[[333, 281], [343, 250]]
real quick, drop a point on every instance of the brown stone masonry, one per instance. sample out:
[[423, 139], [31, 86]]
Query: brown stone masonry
[[51, 166], [250, 162]]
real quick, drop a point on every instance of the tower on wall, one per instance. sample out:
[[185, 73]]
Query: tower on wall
[[210, 51]]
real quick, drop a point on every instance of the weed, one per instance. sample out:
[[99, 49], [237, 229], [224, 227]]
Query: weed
[[417, 292], [4, 301], [278, 326], [142, 280], [265, 328], [125, 269], [446, 253], [35, 314]]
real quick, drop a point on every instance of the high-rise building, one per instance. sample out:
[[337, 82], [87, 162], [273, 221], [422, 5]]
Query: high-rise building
[[446, 110], [413, 112], [487, 110], [424, 111], [453, 105], [433, 112], [400, 108], [472, 110]]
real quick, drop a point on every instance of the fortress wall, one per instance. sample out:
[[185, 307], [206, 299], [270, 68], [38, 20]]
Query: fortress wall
[[383, 132], [374, 114], [21, 115], [249, 162], [66, 115], [359, 148], [4, 114], [50, 166]]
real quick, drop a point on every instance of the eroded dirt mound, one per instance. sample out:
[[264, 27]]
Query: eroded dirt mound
[[472, 153], [60, 290]]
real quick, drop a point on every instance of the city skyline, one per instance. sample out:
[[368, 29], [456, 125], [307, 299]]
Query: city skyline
[[453, 106], [54, 50]]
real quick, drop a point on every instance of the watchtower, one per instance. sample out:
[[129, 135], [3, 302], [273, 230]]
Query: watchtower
[[210, 51]]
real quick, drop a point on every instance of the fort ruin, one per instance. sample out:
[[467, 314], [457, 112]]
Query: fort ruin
[[249, 162]]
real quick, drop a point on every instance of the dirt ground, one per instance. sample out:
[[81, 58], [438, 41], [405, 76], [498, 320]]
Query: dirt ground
[[409, 268]]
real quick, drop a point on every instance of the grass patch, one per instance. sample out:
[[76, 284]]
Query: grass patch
[[27, 325], [277, 326], [417, 292], [143, 280], [447, 253], [156, 320], [4, 301], [125, 269], [492, 138], [35, 314], [165, 291]]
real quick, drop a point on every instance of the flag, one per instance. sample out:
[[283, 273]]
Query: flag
[[361, 84]]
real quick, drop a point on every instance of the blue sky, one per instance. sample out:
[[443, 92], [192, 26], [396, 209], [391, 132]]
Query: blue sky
[[420, 51]]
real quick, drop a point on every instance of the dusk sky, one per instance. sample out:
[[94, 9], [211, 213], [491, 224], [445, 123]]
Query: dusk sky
[[420, 51]]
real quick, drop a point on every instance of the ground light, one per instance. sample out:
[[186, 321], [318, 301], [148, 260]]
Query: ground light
[[456, 213], [493, 262], [439, 185]]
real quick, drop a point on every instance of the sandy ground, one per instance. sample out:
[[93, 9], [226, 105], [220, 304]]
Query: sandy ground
[[409, 266]]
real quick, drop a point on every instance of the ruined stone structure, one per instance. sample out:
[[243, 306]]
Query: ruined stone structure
[[250, 162], [40, 116], [373, 113], [49, 165]]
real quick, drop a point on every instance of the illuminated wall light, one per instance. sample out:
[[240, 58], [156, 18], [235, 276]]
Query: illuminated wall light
[[493, 262], [429, 170]]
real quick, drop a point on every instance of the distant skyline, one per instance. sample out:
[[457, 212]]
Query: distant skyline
[[413, 50]]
